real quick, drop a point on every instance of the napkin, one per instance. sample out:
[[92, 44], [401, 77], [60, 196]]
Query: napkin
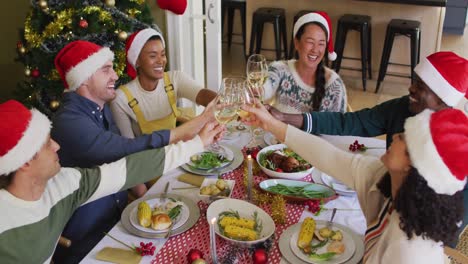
[[118, 255], [192, 179]]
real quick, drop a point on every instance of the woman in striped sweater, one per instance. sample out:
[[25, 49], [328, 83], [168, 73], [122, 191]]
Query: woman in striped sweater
[[411, 196]]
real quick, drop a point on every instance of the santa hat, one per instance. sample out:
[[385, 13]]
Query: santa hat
[[79, 60], [323, 19], [134, 45], [445, 73], [23, 133], [437, 143]]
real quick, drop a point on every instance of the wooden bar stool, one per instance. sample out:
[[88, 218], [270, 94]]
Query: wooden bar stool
[[362, 24], [277, 17], [408, 28], [230, 6]]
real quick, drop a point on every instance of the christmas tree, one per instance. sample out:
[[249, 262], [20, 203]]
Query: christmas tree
[[52, 24]]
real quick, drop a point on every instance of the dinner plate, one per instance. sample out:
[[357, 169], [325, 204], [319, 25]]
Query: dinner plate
[[336, 185], [237, 160], [286, 251], [270, 139], [192, 218], [330, 193], [317, 178], [179, 221], [348, 241], [228, 154]]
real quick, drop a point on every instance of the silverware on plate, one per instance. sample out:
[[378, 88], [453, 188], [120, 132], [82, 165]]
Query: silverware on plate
[[164, 194], [330, 223]]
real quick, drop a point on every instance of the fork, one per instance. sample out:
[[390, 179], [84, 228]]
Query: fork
[[330, 223]]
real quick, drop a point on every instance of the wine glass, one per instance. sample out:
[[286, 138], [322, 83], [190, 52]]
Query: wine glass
[[257, 73], [246, 96]]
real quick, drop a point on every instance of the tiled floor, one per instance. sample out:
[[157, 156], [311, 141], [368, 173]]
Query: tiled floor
[[234, 64]]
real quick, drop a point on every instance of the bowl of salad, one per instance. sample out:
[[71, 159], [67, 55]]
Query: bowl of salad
[[278, 161]]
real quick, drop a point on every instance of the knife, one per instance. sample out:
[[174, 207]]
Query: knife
[[164, 195]]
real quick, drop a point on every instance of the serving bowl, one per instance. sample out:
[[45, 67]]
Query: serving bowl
[[282, 175], [328, 193], [245, 210]]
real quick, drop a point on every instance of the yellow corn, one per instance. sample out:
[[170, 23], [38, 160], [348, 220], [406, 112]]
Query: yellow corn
[[306, 233], [144, 214], [240, 233], [241, 222]]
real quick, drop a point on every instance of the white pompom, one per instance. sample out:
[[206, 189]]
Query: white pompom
[[332, 56]]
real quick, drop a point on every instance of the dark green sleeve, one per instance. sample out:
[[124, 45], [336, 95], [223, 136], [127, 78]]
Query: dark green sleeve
[[368, 122]]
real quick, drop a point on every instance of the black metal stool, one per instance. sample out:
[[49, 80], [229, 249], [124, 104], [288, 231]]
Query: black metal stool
[[408, 28], [361, 24], [230, 6], [292, 48], [269, 15]]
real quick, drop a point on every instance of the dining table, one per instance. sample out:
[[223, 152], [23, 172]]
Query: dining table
[[175, 248]]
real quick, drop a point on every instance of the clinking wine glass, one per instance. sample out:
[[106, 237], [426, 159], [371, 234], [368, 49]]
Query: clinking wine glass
[[257, 73], [247, 97]]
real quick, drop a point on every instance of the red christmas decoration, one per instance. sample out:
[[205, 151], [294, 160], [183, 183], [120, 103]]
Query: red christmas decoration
[[175, 6], [83, 23], [35, 73], [260, 256], [194, 254], [19, 44]]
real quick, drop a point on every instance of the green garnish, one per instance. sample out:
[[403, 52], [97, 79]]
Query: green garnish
[[208, 160], [174, 212], [297, 191]]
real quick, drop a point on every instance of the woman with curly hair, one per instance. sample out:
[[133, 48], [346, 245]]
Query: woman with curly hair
[[305, 84], [411, 197]]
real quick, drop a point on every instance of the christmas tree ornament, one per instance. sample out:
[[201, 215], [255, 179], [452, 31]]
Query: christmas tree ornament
[[43, 4], [35, 73], [22, 50], [175, 6], [123, 35], [110, 2], [54, 105], [19, 45], [260, 256], [199, 261], [194, 254], [83, 23], [27, 72]]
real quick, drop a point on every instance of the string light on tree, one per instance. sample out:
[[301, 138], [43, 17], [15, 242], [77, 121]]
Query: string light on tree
[[43, 4], [110, 2], [22, 50], [27, 71]]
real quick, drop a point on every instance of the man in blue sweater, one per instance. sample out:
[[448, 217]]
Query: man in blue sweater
[[88, 136]]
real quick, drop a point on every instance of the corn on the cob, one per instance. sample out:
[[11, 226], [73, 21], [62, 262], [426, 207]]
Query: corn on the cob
[[240, 233], [241, 222], [144, 214], [306, 233]]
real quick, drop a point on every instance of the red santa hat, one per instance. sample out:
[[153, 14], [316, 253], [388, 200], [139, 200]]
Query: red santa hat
[[446, 74], [134, 46], [23, 133], [79, 60], [323, 19], [437, 144]]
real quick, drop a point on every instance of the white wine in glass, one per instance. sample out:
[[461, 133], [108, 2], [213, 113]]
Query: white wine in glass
[[226, 114], [257, 72]]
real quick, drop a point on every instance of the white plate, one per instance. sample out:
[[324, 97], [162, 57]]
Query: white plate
[[335, 184], [179, 221], [238, 158], [270, 139], [245, 210], [229, 155], [286, 252], [348, 241]]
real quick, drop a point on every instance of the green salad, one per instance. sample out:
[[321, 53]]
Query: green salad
[[208, 160]]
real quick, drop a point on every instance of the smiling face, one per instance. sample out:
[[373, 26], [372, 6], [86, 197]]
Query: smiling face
[[311, 45], [101, 85], [152, 60], [422, 97]]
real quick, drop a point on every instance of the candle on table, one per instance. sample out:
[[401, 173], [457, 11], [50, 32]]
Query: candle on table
[[213, 240], [249, 178]]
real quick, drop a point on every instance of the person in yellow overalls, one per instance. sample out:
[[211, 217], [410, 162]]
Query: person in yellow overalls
[[149, 102]]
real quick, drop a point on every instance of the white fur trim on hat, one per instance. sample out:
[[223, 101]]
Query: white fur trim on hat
[[86, 68], [425, 157], [311, 17], [31, 142], [139, 41], [438, 84]]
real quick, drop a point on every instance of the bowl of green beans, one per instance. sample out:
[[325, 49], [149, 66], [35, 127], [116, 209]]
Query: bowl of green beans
[[298, 190]]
